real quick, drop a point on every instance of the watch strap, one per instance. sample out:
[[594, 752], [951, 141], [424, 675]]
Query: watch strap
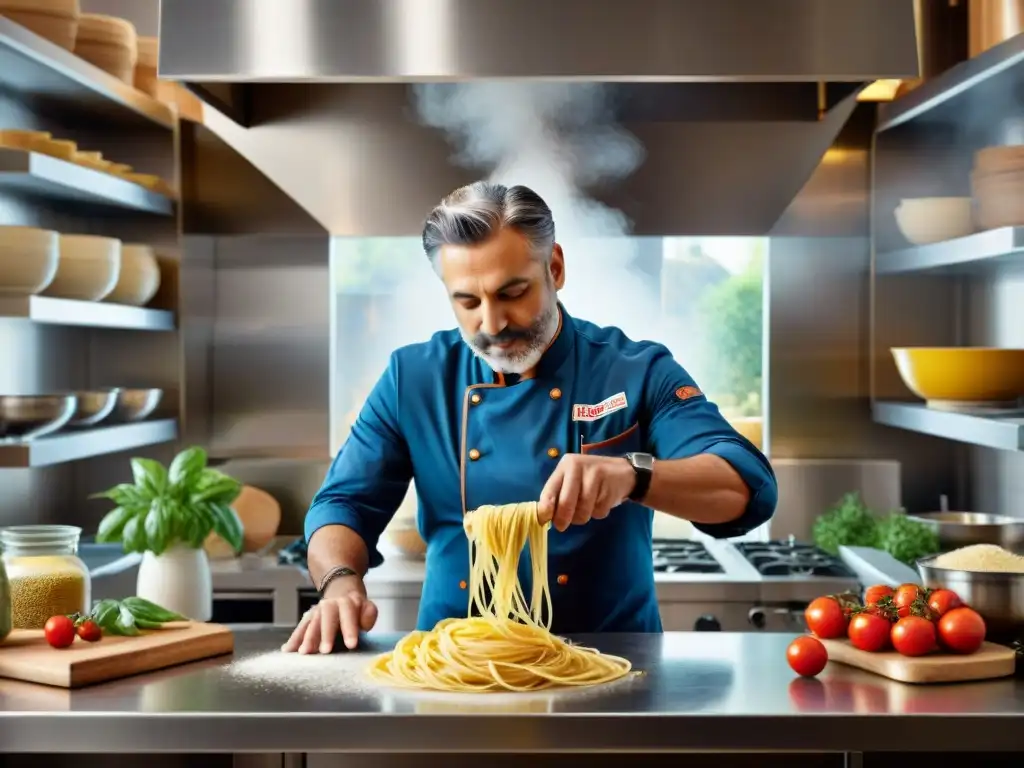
[[643, 479]]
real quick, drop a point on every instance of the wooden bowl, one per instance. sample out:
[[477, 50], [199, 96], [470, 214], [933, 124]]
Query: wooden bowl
[[53, 20], [88, 269], [109, 43], [28, 260], [139, 278]]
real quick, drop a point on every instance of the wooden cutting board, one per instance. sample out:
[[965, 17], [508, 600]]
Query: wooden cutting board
[[25, 654], [989, 662]]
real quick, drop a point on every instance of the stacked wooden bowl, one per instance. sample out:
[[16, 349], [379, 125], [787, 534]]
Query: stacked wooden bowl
[[997, 183]]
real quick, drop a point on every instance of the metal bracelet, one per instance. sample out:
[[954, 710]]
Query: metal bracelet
[[336, 572]]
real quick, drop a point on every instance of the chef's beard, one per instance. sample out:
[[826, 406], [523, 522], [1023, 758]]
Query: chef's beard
[[534, 342]]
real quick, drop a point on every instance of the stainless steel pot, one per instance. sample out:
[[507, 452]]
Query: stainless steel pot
[[961, 529], [997, 596]]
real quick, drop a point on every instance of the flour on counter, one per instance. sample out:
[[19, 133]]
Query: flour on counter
[[342, 674]]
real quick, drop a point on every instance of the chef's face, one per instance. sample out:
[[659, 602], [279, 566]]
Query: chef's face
[[505, 300]]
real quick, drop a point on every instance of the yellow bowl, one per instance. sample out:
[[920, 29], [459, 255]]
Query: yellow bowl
[[949, 376]]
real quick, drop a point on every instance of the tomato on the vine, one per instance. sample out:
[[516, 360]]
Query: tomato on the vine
[[873, 594], [913, 636], [825, 618], [89, 631], [869, 632], [59, 631], [942, 601], [962, 630], [806, 656], [905, 597]]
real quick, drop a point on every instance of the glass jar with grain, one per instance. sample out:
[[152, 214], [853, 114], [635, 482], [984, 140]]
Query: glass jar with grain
[[45, 574]]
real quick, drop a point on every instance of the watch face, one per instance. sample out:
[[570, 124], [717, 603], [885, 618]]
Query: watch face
[[642, 460]]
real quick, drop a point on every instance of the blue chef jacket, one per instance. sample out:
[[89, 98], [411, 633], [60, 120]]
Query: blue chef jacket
[[470, 436]]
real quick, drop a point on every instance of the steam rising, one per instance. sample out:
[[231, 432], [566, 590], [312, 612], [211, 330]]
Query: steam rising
[[557, 139]]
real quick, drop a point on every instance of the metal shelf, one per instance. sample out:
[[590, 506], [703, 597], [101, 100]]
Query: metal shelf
[[32, 173], [988, 248], [74, 445], [50, 311], [49, 79], [949, 98], [1004, 431]]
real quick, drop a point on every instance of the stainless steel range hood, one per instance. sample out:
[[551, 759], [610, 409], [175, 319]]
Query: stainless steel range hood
[[735, 101]]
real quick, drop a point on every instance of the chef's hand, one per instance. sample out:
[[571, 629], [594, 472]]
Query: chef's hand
[[344, 608], [583, 488]]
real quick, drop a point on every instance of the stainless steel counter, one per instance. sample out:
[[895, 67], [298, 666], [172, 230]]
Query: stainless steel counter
[[696, 691]]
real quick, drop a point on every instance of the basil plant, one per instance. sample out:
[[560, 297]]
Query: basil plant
[[180, 504]]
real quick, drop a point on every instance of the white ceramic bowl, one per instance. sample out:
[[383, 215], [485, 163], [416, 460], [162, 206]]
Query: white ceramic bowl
[[139, 278], [924, 220], [28, 260], [89, 267]]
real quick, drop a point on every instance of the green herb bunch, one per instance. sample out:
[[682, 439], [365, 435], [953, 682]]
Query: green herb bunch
[[851, 524], [127, 617], [180, 504]]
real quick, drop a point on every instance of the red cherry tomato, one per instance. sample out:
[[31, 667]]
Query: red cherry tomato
[[873, 594], [825, 618], [806, 656], [962, 630], [869, 632], [89, 631], [59, 631], [913, 636], [942, 601], [905, 597]]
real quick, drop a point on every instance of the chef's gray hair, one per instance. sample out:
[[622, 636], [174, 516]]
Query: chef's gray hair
[[473, 213]]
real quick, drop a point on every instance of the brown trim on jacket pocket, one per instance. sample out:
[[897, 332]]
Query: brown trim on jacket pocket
[[588, 447]]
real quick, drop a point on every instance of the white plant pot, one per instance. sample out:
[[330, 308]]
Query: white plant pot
[[178, 580]]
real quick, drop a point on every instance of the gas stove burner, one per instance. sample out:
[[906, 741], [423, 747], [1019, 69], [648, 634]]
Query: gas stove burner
[[683, 556], [789, 558]]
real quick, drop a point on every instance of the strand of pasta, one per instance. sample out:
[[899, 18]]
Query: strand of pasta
[[509, 646]]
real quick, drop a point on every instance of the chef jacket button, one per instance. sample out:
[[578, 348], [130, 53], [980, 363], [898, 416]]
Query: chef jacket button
[[553, 453], [563, 579], [474, 398], [462, 584], [555, 393], [474, 454]]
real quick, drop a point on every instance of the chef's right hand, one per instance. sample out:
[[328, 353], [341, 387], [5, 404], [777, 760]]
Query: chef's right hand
[[344, 608]]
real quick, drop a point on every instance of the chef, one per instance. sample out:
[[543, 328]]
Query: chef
[[524, 402]]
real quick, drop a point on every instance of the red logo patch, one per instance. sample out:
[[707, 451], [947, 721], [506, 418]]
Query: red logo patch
[[685, 393]]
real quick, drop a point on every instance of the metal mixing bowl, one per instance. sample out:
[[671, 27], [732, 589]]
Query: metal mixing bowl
[[137, 404], [961, 529], [93, 407], [997, 596], [27, 417]]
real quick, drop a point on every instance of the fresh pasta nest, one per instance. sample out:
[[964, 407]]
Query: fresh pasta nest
[[509, 646]]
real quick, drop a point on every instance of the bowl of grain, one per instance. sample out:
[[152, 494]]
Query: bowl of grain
[[986, 577]]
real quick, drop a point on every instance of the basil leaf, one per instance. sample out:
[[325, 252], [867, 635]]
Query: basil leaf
[[227, 525], [112, 524], [187, 468], [105, 614], [158, 527], [133, 535], [145, 610], [224, 491], [126, 622], [150, 476], [125, 495]]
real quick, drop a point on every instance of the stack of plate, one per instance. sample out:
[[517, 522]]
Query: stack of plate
[[997, 183]]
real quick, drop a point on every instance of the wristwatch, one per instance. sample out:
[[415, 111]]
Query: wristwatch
[[643, 467]]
